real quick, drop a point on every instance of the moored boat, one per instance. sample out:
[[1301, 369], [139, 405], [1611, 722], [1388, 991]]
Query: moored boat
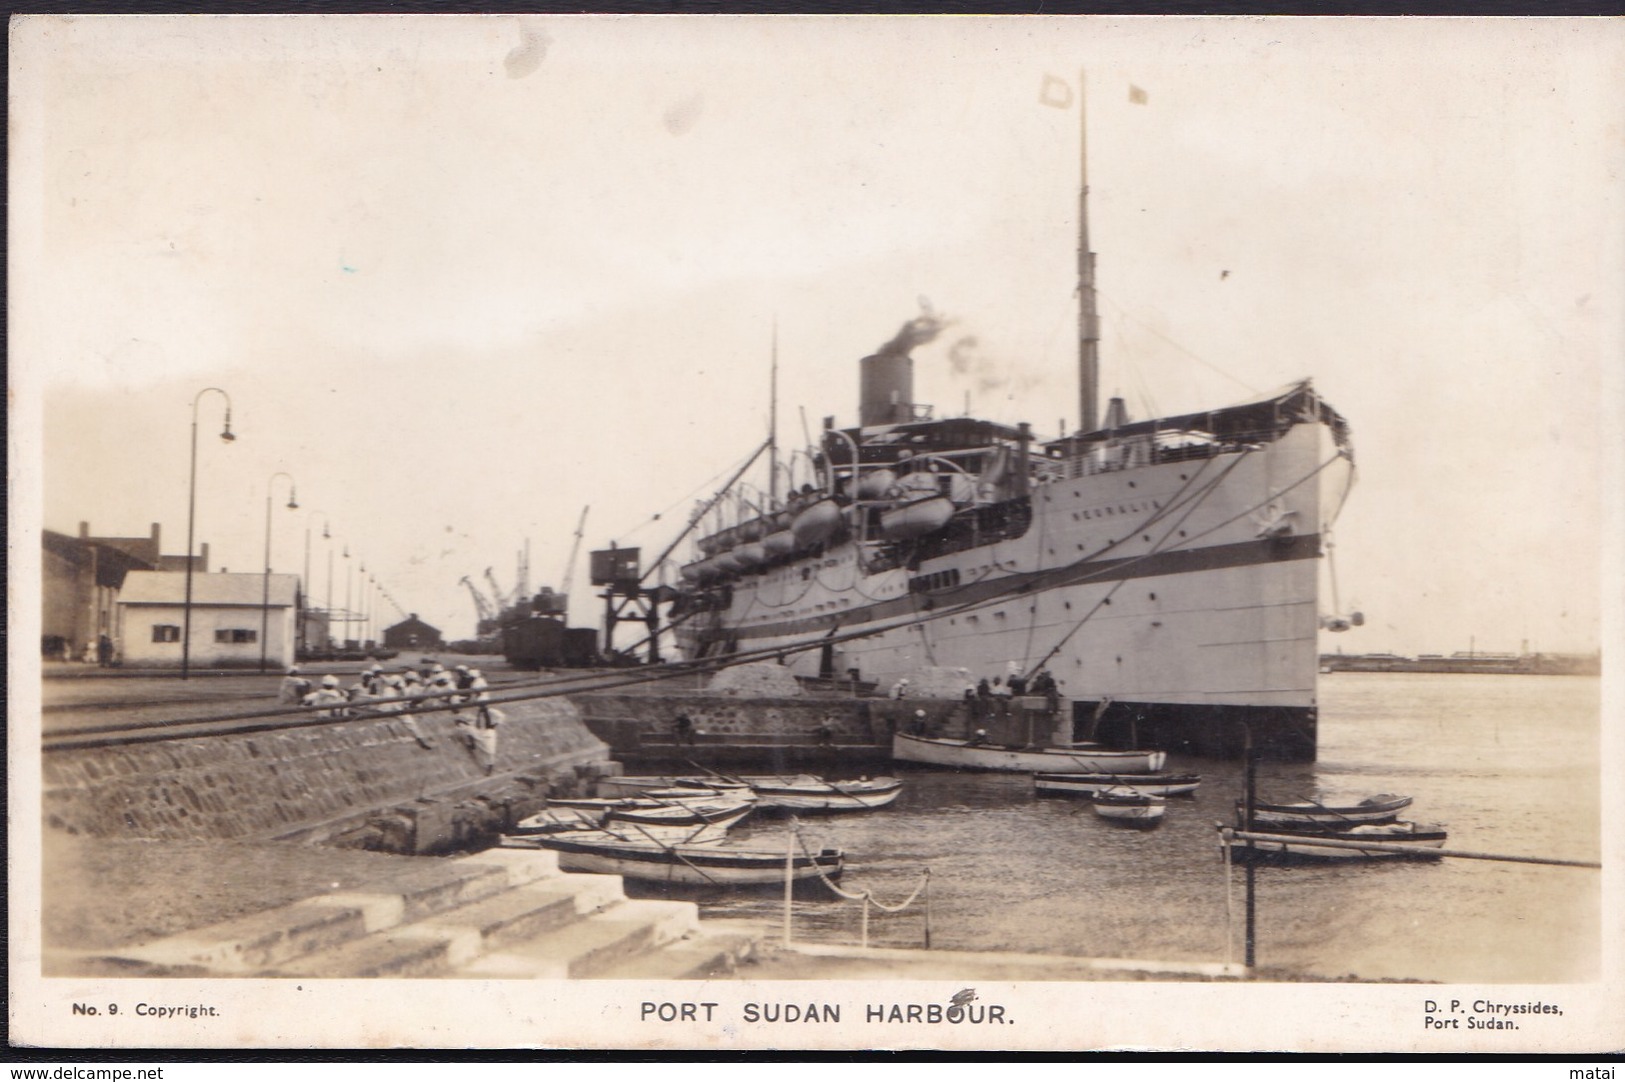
[[969, 755], [1128, 808], [807, 793], [1417, 840], [786, 792], [637, 820], [1382, 808], [1086, 785], [691, 865], [669, 786]]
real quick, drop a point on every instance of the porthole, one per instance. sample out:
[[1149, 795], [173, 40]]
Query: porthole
[[1153, 597]]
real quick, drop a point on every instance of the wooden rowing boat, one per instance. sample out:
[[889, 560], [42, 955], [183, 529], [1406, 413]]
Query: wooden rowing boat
[[808, 793], [640, 820], [1087, 785], [968, 755], [1382, 808], [772, 792], [1311, 844], [690, 865], [1128, 808]]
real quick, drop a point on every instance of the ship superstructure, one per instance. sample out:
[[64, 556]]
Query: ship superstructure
[[1164, 571]]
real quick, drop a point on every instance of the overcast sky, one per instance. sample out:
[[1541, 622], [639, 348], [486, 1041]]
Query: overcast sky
[[464, 276]]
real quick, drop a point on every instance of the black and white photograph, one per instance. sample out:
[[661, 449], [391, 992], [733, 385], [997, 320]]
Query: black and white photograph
[[756, 532]]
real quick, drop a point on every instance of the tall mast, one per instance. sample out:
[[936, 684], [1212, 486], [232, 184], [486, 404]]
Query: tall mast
[[1088, 317], [773, 424]]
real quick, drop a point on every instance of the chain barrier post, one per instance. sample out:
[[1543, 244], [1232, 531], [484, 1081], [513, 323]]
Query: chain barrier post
[[1229, 902], [928, 909], [865, 936], [1251, 799], [789, 873]]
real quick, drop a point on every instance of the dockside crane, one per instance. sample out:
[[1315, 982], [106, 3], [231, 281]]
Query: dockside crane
[[488, 618], [575, 550], [551, 602], [503, 600]]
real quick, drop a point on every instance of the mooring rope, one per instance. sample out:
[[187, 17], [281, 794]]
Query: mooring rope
[[866, 896]]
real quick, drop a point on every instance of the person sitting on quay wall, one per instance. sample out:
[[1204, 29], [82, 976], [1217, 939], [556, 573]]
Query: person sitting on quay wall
[[326, 695], [825, 734], [294, 687]]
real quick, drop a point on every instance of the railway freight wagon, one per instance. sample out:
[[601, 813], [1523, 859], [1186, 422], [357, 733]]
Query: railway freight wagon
[[541, 642]]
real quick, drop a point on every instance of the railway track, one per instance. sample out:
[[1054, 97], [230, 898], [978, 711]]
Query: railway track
[[288, 718]]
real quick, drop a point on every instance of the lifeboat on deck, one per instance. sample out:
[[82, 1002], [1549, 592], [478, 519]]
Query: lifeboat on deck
[[875, 484], [727, 563], [779, 543], [817, 522], [751, 555], [916, 518]]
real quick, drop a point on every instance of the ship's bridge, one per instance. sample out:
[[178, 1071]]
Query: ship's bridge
[[1198, 435]]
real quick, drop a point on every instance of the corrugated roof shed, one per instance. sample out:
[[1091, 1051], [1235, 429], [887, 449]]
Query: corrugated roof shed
[[214, 588]]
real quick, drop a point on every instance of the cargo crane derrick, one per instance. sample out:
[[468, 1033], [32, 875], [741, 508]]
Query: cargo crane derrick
[[487, 615]]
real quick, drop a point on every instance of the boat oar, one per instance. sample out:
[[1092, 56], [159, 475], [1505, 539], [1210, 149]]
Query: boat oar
[[718, 774], [592, 824], [672, 850]]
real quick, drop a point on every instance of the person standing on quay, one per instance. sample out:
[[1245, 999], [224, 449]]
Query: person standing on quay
[[410, 687], [480, 731]]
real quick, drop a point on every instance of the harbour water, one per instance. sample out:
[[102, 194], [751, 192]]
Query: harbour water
[[1508, 764]]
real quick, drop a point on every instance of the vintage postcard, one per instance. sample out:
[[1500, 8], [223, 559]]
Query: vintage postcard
[[751, 533]]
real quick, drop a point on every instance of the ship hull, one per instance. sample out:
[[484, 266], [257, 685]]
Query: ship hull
[[1176, 602]]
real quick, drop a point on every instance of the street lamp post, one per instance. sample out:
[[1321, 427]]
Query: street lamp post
[[265, 593], [348, 566], [329, 591], [191, 516], [304, 631], [361, 603]]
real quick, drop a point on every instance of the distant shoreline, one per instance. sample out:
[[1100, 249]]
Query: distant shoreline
[[1502, 665]]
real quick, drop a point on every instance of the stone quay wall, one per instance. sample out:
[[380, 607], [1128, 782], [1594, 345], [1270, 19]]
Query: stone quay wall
[[366, 782], [763, 733]]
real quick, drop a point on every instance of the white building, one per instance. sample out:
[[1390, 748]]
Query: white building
[[228, 612]]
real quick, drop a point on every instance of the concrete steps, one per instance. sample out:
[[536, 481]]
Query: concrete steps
[[503, 913]]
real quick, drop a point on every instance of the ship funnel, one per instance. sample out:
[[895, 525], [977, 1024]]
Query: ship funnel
[[886, 392]]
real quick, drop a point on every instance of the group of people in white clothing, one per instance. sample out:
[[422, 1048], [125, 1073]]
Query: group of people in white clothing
[[427, 687]]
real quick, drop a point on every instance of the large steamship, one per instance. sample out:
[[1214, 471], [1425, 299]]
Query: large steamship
[[1165, 571]]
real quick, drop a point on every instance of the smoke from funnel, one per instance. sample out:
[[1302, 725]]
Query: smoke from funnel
[[916, 332], [968, 357]]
